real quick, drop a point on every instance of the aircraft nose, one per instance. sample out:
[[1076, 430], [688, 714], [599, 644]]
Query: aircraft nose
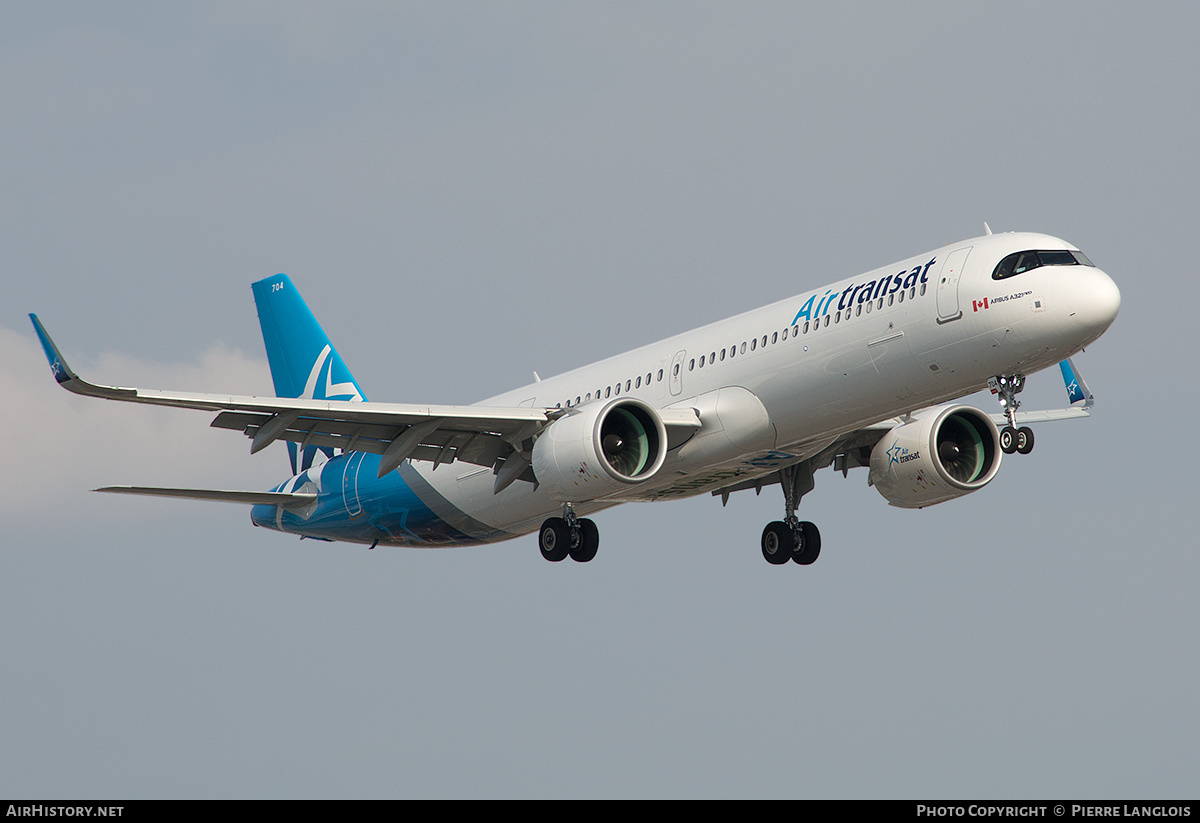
[[1098, 303]]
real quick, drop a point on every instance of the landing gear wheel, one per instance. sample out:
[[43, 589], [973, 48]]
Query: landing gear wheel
[[809, 547], [555, 539], [778, 543], [589, 542], [1008, 439], [1024, 440]]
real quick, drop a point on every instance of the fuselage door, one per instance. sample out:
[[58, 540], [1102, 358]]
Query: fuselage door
[[677, 373], [947, 285]]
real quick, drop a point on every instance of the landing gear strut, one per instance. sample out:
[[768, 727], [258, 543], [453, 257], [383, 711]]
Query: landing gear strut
[[1012, 439], [569, 536], [792, 538]]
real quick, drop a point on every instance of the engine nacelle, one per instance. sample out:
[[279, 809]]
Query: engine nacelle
[[941, 453], [599, 450]]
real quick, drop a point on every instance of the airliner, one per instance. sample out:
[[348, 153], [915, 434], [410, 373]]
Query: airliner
[[865, 372]]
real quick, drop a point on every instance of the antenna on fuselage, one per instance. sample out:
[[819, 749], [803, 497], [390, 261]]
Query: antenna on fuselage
[[987, 230]]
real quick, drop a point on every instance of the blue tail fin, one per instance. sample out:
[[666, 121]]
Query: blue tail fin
[[303, 361]]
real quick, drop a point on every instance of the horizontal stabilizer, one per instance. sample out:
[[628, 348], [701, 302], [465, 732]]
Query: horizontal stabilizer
[[289, 500]]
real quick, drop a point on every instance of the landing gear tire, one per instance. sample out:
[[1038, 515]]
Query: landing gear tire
[[1024, 440], [778, 543], [1008, 439], [589, 542], [555, 539], [808, 549]]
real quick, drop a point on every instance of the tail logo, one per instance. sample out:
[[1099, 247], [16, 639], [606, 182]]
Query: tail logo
[[331, 390]]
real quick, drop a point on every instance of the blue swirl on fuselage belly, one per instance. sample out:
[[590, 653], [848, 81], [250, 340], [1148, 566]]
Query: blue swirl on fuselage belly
[[391, 511]]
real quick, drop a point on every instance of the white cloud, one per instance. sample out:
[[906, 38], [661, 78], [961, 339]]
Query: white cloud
[[61, 445]]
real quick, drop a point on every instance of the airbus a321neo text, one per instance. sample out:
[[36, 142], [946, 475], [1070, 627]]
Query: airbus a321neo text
[[863, 372]]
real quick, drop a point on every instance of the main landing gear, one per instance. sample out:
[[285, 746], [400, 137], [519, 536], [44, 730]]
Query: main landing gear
[[1012, 439], [792, 538], [569, 536]]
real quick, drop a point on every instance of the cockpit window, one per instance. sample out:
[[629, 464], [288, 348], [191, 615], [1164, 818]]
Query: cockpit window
[[1023, 261]]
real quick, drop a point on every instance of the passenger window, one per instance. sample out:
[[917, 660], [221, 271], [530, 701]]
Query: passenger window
[[774, 338], [743, 348], [608, 392]]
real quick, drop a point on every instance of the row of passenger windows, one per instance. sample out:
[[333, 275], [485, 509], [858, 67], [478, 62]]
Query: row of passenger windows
[[1023, 261], [814, 325], [615, 389], [749, 346]]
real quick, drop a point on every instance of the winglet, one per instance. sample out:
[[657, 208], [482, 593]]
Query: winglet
[[58, 366], [67, 378], [1077, 390]]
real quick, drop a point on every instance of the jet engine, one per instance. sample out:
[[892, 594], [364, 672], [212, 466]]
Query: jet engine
[[936, 455], [600, 449]]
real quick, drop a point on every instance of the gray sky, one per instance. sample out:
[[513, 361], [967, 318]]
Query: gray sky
[[467, 192]]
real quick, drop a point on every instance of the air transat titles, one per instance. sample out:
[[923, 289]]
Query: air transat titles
[[863, 292]]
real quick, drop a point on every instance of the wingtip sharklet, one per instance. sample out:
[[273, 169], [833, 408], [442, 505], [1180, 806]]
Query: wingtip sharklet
[[68, 379], [58, 366], [1078, 394]]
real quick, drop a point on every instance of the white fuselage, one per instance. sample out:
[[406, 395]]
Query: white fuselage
[[777, 384]]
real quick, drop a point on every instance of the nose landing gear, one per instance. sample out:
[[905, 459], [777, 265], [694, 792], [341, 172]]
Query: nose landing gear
[[1012, 439]]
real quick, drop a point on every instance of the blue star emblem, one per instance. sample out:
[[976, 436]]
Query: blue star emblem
[[894, 453]]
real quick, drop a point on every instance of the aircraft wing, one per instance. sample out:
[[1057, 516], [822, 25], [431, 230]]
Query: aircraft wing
[[481, 435]]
